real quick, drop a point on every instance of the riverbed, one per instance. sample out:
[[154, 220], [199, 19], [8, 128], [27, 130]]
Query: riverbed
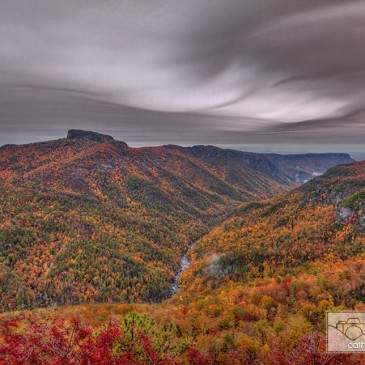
[[184, 264]]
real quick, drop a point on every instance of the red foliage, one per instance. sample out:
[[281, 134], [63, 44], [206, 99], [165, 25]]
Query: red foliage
[[59, 342], [197, 357], [287, 283]]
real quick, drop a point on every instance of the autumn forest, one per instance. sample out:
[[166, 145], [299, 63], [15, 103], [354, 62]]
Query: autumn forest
[[92, 235]]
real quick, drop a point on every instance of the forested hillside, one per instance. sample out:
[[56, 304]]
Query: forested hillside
[[263, 280], [323, 218], [89, 219]]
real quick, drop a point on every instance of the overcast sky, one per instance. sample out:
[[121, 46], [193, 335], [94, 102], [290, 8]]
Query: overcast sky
[[281, 75]]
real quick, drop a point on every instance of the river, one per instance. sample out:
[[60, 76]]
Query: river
[[184, 264]]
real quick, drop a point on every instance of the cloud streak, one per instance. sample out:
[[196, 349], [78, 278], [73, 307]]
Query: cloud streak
[[248, 74]]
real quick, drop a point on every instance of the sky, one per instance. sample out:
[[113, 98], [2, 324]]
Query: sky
[[257, 75]]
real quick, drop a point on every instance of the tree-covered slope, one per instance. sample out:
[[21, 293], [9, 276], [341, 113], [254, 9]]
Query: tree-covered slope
[[93, 220], [322, 219], [96, 221], [260, 284], [89, 219]]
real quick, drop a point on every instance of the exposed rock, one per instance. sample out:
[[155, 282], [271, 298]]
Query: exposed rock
[[345, 213], [336, 196], [362, 222], [88, 135]]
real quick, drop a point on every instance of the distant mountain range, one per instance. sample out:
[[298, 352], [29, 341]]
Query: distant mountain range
[[89, 219]]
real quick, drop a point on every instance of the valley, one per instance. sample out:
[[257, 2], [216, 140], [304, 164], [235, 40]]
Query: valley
[[225, 248], [89, 219], [182, 182]]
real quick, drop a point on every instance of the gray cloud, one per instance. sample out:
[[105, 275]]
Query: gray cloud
[[250, 74]]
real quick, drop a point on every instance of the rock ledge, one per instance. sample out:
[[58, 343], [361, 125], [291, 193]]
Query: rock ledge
[[88, 135]]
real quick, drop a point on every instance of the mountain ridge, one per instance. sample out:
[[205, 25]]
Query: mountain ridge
[[93, 221], [97, 229]]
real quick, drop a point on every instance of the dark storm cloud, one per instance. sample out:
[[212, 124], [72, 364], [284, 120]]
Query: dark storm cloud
[[253, 74]]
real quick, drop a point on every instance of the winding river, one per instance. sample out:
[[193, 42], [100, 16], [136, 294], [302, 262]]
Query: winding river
[[184, 264]]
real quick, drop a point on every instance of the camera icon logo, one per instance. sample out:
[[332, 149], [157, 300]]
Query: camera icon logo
[[345, 331], [352, 328]]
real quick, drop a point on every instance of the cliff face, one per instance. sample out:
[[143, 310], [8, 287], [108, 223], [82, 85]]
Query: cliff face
[[88, 135]]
